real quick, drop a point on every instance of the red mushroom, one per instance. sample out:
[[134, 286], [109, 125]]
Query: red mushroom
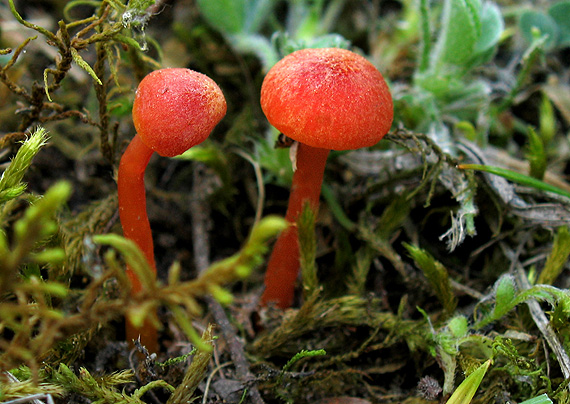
[[174, 109], [325, 99]]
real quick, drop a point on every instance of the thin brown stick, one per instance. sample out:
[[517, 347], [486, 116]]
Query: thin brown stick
[[200, 213]]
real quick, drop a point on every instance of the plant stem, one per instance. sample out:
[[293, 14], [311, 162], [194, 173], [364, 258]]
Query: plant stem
[[283, 265], [136, 227]]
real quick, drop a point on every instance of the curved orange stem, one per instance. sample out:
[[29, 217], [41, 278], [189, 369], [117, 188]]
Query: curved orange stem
[[283, 265], [136, 227]]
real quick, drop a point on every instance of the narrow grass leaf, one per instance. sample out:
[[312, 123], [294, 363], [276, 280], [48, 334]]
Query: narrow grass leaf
[[516, 177], [467, 389], [542, 399]]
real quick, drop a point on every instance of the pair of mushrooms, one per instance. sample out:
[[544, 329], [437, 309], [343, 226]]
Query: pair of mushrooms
[[325, 99]]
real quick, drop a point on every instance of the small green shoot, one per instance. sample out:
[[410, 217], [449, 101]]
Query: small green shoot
[[558, 257], [11, 185], [300, 355], [437, 276], [536, 155], [289, 365], [547, 128]]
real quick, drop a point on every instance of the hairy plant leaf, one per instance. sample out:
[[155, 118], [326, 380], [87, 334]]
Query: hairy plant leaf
[[461, 27], [560, 13], [505, 292], [492, 26]]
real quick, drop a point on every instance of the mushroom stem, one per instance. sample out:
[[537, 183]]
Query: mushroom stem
[[283, 265], [132, 202], [136, 227]]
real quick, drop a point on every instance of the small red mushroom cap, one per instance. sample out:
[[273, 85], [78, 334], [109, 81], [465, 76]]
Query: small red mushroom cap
[[175, 109], [328, 98]]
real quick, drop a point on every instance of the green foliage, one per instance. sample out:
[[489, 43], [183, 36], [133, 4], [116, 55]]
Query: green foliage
[[13, 389], [241, 21], [468, 34], [547, 129], [453, 343], [76, 234], [35, 226], [232, 17], [181, 297], [275, 162], [103, 389], [301, 355], [505, 292], [535, 25], [507, 296], [554, 25], [20, 257]]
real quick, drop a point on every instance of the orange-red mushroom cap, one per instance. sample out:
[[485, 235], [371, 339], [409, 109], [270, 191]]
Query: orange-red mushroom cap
[[175, 109], [328, 98]]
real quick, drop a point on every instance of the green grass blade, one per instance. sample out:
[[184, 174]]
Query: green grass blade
[[516, 177]]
